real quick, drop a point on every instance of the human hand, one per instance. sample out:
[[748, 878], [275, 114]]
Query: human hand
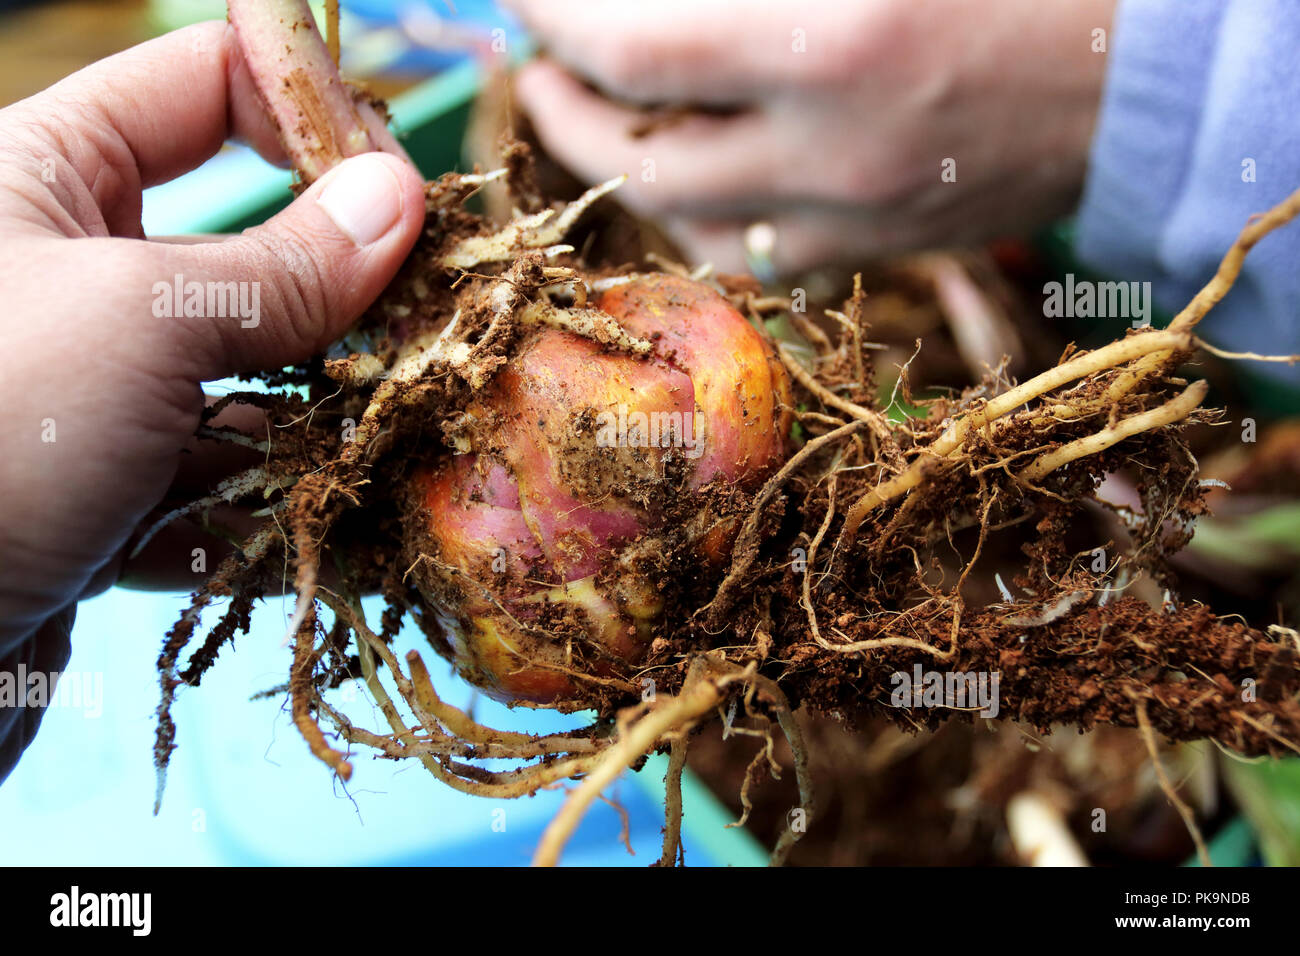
[[843, 116], [101, 394]]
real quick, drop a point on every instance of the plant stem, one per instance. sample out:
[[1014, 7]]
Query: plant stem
[[319, 119]]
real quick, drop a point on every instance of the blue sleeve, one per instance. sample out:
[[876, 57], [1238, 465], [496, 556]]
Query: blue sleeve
[[1200, 128]]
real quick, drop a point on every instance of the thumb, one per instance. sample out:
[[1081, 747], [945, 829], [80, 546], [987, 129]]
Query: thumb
[[301, 278]]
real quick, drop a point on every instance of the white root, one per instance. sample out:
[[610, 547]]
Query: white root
[[538, 231], [1134, 347], [1174, 410], [589, 323], [233, 437], [1047, 614], [482, 179], [229, 491]]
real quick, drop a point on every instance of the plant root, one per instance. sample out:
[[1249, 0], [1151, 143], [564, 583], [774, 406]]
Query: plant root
[[898, 493], [1184, 811]]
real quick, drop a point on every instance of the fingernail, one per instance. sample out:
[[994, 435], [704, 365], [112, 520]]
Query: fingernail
[[363, 197]]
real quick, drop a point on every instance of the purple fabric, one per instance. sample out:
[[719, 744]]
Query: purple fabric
[[1194, 89]]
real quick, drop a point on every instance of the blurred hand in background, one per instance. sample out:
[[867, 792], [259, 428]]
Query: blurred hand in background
[[854, 128]]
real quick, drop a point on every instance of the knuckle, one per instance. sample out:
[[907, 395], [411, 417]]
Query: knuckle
[[298, 312]]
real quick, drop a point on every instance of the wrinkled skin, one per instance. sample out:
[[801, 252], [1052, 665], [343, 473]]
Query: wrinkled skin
[[558, 531]]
